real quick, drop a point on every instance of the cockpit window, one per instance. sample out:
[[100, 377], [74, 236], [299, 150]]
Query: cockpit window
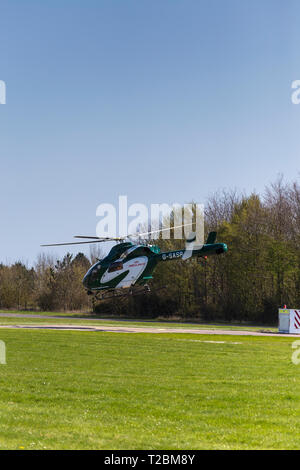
[[94, 272], [116, 266], [127, 252]]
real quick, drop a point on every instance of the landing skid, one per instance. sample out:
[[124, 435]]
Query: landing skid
[[125, 293], [118, 293]]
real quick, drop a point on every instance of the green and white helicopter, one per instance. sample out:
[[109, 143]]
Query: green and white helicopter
[[129, 266]]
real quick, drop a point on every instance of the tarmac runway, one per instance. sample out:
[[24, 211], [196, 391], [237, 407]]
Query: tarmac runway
[[135, 329]]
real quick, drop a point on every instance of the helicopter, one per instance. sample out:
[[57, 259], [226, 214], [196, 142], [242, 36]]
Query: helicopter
[[129, 265]]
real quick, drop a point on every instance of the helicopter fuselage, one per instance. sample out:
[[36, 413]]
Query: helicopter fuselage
[[128, 264]]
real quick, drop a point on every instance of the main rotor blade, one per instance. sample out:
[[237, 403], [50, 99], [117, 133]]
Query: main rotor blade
[[84, 236], [105, 239], [99, 238], [160, 230], [76, 243]]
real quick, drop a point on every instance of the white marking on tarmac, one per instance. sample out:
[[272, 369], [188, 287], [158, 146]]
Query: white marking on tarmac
[[214, 342]]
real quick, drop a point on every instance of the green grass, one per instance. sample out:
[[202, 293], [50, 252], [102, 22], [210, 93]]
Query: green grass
[[86, 390]]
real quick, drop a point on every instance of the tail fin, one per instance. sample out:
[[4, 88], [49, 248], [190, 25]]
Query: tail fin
[[211, 238]]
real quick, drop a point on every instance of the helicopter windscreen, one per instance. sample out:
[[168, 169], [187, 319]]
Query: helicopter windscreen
[[116, 266], [127, 252], [94, 272]]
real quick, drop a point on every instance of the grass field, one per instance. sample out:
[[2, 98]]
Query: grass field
[[95, 390]]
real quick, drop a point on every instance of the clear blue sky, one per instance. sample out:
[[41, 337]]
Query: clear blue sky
[[161, 100]]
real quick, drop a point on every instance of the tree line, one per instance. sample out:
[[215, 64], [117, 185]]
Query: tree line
[[259, 273]]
